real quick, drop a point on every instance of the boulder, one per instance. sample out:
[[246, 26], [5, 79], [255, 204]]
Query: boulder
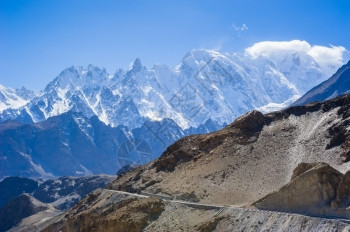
[[312, 189]]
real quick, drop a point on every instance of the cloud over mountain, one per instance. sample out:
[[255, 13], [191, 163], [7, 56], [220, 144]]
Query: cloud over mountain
[[325, 56]]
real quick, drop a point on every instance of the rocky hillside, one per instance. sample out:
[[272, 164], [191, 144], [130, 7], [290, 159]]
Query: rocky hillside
[[15, 186], [72, 144], [21, 207], [110, 211], [315, 189], [62, 192], [249, 158], [69, 144], [240, 178], [336, 85]]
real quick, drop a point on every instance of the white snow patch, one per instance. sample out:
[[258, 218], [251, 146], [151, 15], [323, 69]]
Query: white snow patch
[[153, 116], [86, 171], [277, 106], [147, 89], [12, 100]]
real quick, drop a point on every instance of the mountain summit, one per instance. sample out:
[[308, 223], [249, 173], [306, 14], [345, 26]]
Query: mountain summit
[[14, 98], [205, 85], [338, 84]]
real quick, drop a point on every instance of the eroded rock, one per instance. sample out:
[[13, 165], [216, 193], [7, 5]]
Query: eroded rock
[[131, 215], [315, 189]]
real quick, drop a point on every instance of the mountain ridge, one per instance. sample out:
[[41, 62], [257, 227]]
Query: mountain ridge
[[72, 144], [231, 84], [336, 85], [226, 153], [254, 168]]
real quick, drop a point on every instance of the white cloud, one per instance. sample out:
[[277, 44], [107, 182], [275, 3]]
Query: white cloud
[[268, 48], [240, 28], [325, 56]]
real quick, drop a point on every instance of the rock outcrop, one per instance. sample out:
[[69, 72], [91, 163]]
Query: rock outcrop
[[106, 210], [131, 215], [343, 192], [18, 208], [14, 186], [243, 130], [63, 192], [315, 189], [249, 122]]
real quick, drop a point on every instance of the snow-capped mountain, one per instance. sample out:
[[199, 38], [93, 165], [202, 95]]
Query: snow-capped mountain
[[14, 98], [23, 197], [62, 192], [338, 84], [87, 121], [205, 85], [72, 144]]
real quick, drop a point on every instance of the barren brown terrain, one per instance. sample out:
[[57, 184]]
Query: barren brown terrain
[[261, 173]]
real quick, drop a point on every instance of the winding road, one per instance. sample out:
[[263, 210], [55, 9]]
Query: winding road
[[220, 208]]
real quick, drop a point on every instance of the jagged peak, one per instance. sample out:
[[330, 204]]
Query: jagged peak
[[197, 57], [136, 66], [203, 54], [96, 69]]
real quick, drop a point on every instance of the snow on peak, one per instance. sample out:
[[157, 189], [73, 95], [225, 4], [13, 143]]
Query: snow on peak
[[76, 77], [303, 64], [329, 58], [14, 98], [202, 55], [96, 71], [207, 84], [136, 65]]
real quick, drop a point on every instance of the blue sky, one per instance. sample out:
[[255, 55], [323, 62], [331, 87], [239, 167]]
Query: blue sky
[[38, 39]]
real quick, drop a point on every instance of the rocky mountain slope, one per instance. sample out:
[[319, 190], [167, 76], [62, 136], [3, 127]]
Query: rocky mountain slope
[[21, 207], [315, 189], [15, 186], [145, 110], [68, 144], [109, 211], [249, 158], [71, 144], [338, 84], [248, 164], [62, 192], [30, 202]]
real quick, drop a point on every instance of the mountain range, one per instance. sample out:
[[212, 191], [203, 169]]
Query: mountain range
[[131, 117], [89, 122], [14, 98], [281, 171], [37, 199], [71, 144], [338, 84], [206, 84]]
